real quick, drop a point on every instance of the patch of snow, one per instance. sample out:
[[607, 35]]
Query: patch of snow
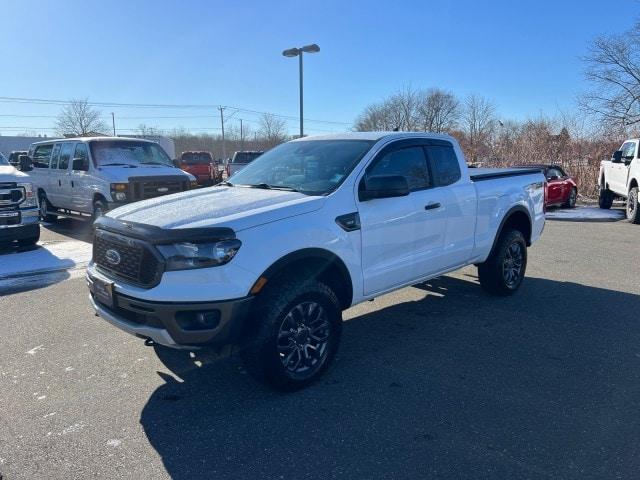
[[585, 214], [69, 369], [35, 349], [42, 397], [114, 443], [76, 427]]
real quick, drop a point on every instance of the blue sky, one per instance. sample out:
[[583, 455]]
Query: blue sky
[[522, 55]]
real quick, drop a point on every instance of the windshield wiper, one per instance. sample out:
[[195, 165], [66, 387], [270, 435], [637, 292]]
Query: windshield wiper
[[156, 163], [118, 165], [267, 186]]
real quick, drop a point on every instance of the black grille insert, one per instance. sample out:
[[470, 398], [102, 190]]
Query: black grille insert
[[133, 260]]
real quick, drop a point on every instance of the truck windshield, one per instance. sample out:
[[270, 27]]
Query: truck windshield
[[313, 167], [196, 158], [245, 157], [128, 152]]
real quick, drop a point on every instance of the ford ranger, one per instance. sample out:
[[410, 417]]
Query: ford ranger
[[619, 177], [19, 216], [310, 228]]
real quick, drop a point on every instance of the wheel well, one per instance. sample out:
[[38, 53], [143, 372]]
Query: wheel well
[[323, 265], [518, 220], [633, 183], [99, 197]]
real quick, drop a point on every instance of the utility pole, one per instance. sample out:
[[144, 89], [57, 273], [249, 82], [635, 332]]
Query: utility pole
[[113, 121], [241, 136], [224, 151]]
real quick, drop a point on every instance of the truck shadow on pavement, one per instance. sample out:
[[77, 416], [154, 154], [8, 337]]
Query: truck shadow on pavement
[[459, 384]]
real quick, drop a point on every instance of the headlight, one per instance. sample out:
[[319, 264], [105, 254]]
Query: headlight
[[186, 256], [119, 191], [31, 200]]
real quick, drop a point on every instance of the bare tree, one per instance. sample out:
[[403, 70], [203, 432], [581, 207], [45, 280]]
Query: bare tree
[[146, 130], [438, 111], [478, 122], [613, 69], [272, 129], [78, 118]]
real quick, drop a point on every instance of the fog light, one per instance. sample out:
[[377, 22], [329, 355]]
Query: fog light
[[121, 196], [198, 320]]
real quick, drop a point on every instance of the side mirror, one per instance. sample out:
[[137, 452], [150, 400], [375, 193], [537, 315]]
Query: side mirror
[[25, 164], [617, 156], [80, 165], [384, 186]]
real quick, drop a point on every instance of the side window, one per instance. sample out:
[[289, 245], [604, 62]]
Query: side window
[[409, 162], [82, 152], [54, 155], [65, 156], [553, 172], [41, 156], [629, 150], [444, 164]]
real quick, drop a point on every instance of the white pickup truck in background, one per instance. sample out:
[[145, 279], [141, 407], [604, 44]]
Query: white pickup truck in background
[[620, 177], [310, 228], [19, 215]]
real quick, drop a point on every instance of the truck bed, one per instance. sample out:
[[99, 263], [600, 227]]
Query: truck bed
[[479, 174]]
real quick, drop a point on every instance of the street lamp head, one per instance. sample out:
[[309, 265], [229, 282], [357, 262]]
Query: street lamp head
[[313, 48], [291, 52]]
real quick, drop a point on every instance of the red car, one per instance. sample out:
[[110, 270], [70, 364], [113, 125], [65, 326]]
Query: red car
[[198, 164], [562, 190]]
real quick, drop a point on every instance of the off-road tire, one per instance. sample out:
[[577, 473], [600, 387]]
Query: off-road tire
[[633, 206], [491, 273], [605, 200], [260, 353]]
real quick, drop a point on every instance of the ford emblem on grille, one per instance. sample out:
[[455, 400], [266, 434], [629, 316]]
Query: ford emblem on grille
[[113, 257], [163, 189]]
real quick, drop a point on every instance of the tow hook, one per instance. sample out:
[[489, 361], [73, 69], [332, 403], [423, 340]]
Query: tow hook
[[149, 343]]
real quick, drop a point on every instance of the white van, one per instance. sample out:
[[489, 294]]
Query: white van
[[89, 176]]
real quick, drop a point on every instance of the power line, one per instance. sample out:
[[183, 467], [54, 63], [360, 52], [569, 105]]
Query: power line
[[43, 101]]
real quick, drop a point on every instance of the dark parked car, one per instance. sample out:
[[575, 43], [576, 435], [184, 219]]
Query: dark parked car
[[14, 157]]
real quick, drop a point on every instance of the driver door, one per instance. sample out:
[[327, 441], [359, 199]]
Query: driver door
[[402, 237]]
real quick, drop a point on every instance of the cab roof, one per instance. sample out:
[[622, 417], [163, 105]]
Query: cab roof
[[93, 139], [375, 136]]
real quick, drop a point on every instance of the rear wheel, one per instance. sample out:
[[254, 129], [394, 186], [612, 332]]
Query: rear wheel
[[29, 242], [46, 209], [633, 209], [605, 200], [502, 273], [571, 201], [297, 327]]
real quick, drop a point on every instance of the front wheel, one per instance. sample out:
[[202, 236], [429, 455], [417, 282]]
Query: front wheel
[[46, 208], [99, 209], [633, 209], [571, 201], [502, 273], [296, 332], [605, 200]]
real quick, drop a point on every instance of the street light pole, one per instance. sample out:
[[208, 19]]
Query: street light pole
[[113, 121], [297, 52]]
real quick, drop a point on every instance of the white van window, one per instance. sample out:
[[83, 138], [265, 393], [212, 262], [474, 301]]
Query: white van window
[[41, 156], [132, 153], [65, 156]]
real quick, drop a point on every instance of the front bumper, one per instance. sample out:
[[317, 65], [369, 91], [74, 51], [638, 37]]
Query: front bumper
[[27, 228], [159, 321]]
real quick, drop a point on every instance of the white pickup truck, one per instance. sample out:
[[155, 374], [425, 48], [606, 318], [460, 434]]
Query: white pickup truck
[[307, 230], [19, 215], [620, 177]]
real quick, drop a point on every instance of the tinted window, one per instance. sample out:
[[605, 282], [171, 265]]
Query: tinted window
[[54, 155], [245, 157], [196, 158], [554, 172], [629, 149], [444, 163], [409, 162], [65, 156], [41, 156]]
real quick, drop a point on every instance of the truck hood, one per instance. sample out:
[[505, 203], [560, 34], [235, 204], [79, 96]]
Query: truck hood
[[10, 174], [120, 174], [236, 207]]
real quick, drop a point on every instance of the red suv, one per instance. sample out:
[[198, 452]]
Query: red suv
[[200, 165]]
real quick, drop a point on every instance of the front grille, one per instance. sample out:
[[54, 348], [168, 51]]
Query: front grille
[[11, 195], [129, 259], [144, 188]]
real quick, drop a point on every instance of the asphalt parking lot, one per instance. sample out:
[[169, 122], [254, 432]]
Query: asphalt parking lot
[[434, 381]]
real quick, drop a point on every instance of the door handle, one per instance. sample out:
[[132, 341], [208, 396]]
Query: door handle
[[59, 183], [432, 206], [72, 184]]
